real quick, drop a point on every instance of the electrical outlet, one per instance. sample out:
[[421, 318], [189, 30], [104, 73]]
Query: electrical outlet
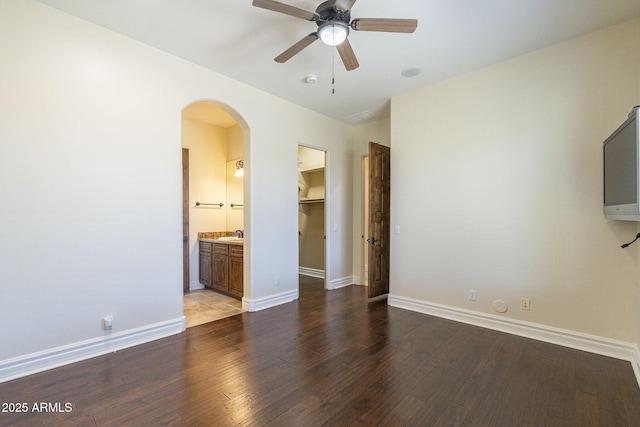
[[472, 295], [107, 323], [525, 304]]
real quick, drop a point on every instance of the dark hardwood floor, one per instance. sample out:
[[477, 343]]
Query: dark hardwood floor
[[333, 358]]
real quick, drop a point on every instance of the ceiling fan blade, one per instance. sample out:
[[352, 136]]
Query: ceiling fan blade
[[296, 48], [344, 5], [276, 6], [347, 55], [385, 25]]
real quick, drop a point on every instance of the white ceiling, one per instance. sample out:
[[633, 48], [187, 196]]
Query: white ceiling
[[239, 40]]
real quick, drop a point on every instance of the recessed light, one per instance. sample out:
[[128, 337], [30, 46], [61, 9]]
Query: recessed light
[[411, 72]]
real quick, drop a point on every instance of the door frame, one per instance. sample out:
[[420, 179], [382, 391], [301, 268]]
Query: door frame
[[327, 210], [364, 220], [186, 272], [380, 235]]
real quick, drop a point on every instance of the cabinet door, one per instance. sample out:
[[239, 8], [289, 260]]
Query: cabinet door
[[235, 276], [219, 273], [205, 269]]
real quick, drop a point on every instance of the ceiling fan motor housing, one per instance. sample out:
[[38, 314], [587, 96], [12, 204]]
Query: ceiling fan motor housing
[[327, 12]]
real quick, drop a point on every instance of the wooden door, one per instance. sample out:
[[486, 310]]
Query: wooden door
[[379, 217], [185, 220]]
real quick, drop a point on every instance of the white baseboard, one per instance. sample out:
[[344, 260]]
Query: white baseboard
[[312, 272], [577, 340], [635, 363], [194, 286], [341, 283], [37, 362], [356, 280], [269, 301]]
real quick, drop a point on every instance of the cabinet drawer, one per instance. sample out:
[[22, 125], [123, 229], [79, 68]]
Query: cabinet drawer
[[220, 248], [236, 251], [205, 246]]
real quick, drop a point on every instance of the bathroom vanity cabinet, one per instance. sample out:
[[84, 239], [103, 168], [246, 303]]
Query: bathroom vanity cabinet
[[236, 267], [221, 266], [205, 263]]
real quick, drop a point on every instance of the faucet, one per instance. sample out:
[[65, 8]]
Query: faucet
[[240, 233]]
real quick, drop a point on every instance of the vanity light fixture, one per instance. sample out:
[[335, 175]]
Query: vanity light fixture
[[239, 168]]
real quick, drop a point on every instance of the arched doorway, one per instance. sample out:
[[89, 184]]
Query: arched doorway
[[215, 141]]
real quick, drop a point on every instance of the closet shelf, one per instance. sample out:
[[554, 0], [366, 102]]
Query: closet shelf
[[309, 201]]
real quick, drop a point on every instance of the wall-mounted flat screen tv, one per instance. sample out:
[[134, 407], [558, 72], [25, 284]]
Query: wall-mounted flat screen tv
[[620, 153]]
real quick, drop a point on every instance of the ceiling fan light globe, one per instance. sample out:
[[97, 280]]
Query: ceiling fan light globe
[[332, 34]]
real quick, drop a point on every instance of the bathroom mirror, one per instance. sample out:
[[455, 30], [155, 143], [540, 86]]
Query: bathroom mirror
[[235, 194]]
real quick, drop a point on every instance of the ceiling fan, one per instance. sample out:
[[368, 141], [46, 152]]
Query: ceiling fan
[[333, 18]]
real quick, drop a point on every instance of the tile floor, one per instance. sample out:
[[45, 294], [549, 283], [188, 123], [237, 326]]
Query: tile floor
[[204, 306]]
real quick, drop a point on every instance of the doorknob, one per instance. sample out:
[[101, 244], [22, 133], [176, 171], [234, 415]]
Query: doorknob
[[185, 239], [372, 240]]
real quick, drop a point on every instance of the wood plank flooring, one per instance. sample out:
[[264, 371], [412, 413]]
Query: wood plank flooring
[[333, 358]]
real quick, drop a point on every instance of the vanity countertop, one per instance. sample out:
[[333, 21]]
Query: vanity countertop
[[225, 242]]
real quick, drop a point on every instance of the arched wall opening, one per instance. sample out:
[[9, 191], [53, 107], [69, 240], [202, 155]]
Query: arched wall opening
[[216, 202]]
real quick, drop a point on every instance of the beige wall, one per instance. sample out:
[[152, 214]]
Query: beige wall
[[207, 146], [235, 143], [497, 187], [235, 185], [91, 224]]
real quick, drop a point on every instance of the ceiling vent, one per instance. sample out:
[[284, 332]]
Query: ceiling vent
[[359, 118]]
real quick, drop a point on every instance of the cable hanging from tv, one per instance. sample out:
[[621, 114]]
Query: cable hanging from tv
[[631, 242]]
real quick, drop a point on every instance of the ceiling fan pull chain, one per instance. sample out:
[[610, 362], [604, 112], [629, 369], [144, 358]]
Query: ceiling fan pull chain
[[333, 71]]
